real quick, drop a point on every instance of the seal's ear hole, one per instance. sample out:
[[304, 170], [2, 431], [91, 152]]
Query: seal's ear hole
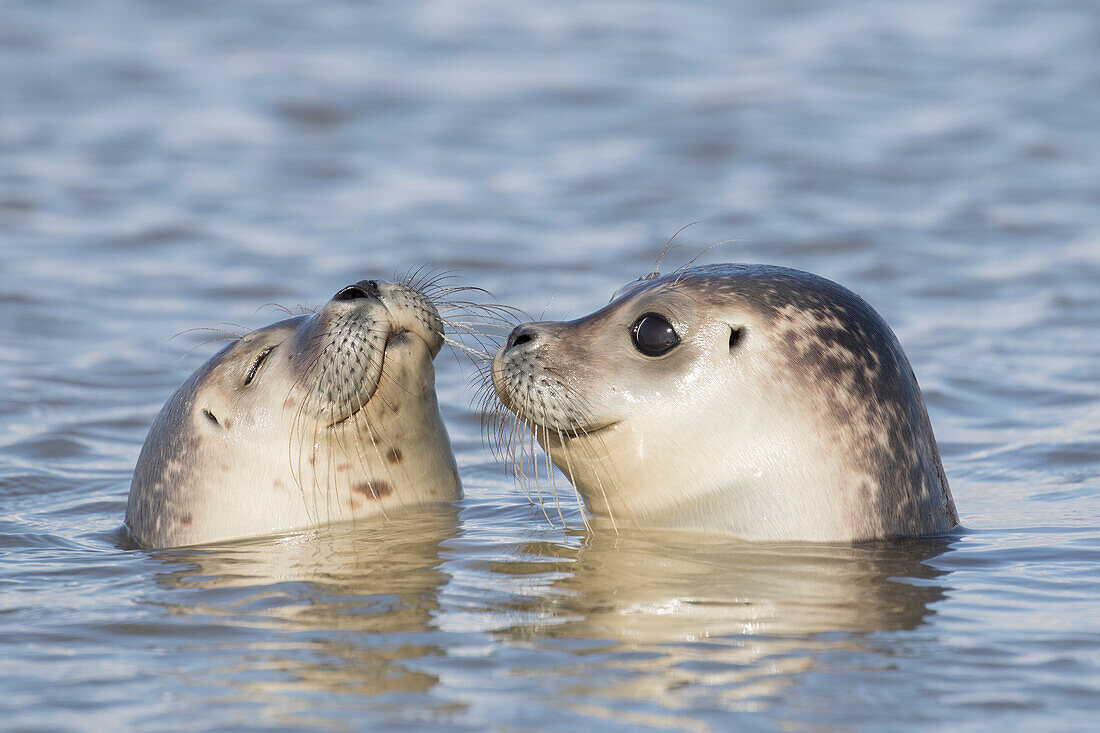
[[211, 417], [736, 334]]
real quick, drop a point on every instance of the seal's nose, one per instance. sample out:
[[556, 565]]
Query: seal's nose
[[361, 289], [522, 334]]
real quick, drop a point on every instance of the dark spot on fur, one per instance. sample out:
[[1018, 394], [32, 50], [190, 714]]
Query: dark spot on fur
[[278, 484], [343, 467], [394, 455], [353, 504], [373, 489], [186, 520]]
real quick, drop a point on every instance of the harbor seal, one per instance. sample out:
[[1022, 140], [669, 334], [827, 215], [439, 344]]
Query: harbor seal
[[749, 400], [315, 419]]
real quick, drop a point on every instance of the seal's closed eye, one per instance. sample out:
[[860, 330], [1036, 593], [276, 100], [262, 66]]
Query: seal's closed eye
[[318, 418], [256, 365], [653, 335]]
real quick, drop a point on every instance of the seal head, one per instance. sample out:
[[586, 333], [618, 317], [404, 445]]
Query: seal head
[[314, 419], [749, 400]]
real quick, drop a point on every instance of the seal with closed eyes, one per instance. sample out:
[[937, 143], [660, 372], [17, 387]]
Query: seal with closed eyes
[[760, 402], [315, 419]]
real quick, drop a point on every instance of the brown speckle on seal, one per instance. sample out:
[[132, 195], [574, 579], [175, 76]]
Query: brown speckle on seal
[[394, 455], [186, 520], [373, 489]]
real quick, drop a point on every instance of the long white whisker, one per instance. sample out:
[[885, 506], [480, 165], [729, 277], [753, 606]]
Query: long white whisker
[[573, 480]]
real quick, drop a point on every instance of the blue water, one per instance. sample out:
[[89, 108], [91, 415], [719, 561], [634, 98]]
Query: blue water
[[166, 166]]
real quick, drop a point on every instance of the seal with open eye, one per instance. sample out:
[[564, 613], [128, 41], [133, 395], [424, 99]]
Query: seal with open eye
[[755, 401]]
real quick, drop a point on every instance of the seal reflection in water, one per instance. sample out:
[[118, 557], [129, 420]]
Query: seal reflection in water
[[314, 419], [749, 400]]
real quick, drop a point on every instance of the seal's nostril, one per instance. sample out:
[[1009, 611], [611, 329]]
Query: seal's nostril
[[361, 289], [520, 335], [351, 292]]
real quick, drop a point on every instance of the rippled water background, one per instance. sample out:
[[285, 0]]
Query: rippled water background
[[165, 166]]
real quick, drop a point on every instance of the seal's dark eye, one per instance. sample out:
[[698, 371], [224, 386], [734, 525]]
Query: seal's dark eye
[[256, 365], [654, 335]]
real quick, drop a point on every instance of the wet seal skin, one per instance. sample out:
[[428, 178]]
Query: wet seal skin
[[315, 419], [749, 400]]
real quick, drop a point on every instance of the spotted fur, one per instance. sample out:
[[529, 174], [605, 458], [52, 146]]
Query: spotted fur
[[789, 411]]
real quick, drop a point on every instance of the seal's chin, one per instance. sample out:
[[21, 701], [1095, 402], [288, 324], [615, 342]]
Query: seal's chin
[[349, 417], [572, 430], [586, 430], [591, 430]]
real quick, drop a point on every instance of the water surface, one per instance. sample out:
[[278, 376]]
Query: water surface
[[166, 166]]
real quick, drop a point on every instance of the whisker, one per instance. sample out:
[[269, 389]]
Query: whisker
[[236, 335], [667, 248], [208, 341], [681, 271], [572, 480], [276, 306], [550, 473]]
